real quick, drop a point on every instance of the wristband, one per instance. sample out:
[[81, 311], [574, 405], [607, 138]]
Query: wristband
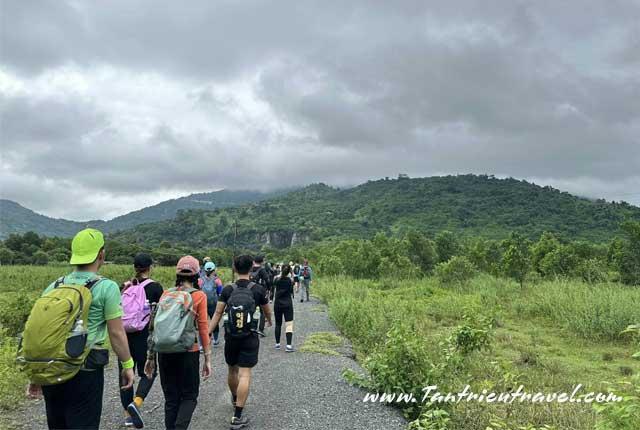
[[127, 364]]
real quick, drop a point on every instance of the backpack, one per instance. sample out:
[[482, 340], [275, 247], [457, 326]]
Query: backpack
[[174, 325], [135, 306], [54, 346], [210, 288], [255, 277], [240, 309], [306, 274]]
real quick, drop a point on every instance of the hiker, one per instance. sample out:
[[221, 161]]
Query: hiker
[[296, 277], [238, 302], [174, 336], [260, 276], [212, 286], [76, 312], [205, 260], [305, 276], [283, 307], [139, 295]]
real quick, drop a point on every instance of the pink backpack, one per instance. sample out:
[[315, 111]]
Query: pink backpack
[[135, 306]]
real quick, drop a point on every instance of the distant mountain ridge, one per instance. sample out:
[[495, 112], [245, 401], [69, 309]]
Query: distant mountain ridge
[[15, 218], [467, 204]]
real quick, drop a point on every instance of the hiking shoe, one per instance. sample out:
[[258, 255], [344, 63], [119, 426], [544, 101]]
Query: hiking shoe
[[277, 346], [136, 418], [128, 422], [261, 333], [289, 348], [239, 423]]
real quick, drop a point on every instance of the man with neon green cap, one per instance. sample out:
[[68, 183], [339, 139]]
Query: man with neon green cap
[[77, 403]]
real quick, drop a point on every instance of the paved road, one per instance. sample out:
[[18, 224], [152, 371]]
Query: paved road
[[289, 391]]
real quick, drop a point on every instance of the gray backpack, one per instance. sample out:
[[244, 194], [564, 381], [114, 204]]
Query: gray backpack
[[174, 325]]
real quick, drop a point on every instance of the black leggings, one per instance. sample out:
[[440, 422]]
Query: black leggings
[[138, 348], [286, 313], [180, 380]]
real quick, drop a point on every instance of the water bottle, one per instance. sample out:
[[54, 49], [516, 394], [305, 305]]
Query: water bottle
[[77, 340], [257, 317]]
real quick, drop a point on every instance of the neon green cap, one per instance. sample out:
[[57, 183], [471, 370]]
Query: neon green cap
[[85, 246]]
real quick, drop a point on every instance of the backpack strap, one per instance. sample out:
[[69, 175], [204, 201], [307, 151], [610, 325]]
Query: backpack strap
[[91, 282]]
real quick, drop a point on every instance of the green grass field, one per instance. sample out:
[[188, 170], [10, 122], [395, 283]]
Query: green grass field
[[548, 337]]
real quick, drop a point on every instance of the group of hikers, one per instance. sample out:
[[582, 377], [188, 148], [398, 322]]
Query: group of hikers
[[152, 331]]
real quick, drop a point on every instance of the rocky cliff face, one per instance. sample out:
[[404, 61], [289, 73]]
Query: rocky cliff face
[[281, 239]]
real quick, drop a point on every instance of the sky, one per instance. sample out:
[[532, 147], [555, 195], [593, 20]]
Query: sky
[[107, 107]]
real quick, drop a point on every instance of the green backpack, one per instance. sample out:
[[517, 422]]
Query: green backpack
[[54, 342]]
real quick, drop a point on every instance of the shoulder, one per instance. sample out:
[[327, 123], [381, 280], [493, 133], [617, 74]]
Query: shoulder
[[106, 286], [226, 292]]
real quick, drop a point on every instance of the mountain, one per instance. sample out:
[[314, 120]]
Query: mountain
[[15, 218], [467, 204]]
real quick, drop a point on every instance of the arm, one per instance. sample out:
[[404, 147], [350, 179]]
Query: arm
[[120, 345], [217, 316], [203, 329]]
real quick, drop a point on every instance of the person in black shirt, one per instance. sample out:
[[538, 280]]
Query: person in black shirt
[[283, 307], [260, 276], [138, 343], [241, 354]]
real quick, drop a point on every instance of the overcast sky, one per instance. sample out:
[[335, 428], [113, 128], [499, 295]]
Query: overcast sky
[[109, 106]]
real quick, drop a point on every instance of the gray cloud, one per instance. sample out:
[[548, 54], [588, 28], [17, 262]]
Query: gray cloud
[[159, 101]]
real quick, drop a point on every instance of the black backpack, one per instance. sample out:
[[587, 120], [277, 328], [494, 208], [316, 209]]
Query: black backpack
[[240, 309], [255, 276]]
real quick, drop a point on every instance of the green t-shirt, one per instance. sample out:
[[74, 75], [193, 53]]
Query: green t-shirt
[[105, 304]]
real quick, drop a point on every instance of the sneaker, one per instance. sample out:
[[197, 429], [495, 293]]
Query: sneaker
[[136, 418], [277, 346], [239, 423], [301, 300], [261, 333], [128, 422], [289, 348], [216, 342]]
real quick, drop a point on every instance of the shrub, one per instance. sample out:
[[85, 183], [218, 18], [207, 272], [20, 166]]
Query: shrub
[[14, 310], [592, 271], [457, 270]]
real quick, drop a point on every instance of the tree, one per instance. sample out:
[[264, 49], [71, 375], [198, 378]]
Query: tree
[[629, 262], [516, 261], [6, 256], [40, 258], [446, 246], [421, 251], [545, 245], [457, 270], [562, 261]]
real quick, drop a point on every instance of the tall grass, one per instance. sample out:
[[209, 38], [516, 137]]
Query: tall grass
[[598, 312], [399, 327]]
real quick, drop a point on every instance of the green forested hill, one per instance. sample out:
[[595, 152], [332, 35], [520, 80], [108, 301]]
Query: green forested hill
[[469, 204], [15, 218]]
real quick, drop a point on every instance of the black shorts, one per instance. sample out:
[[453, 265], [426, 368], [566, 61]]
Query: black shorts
[[242, 352]]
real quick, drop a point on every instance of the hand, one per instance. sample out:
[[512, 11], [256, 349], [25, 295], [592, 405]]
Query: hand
[[127, 379], [34, 391], [150, 368], [206, 369]]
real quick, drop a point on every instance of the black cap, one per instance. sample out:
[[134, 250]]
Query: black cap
[[142, 261]]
